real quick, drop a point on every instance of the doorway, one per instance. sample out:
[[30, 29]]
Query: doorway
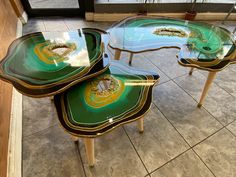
[[54, 7]]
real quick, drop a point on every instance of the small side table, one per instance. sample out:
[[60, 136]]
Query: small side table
[[99, 105]]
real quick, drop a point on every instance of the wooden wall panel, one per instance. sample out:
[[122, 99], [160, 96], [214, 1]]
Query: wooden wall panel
[[8, 23], [18, 8]]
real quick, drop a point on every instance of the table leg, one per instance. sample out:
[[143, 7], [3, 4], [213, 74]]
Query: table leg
[[74, 138], [140, 125], [117, 54], [208, 83], [131, 58], [191, 71], [89, 147]]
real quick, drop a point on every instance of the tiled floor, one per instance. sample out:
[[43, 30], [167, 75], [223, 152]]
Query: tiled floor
[[180, 140]]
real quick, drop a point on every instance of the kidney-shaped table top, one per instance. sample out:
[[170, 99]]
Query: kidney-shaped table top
[[201, 45]]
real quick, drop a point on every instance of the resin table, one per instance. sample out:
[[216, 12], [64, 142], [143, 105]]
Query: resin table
[[91, 97], [46, 63], [98, 105], [200, 45]]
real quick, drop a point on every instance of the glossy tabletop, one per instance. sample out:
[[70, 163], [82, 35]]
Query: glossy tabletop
[[97, 105], [201, 45], [45, 63]]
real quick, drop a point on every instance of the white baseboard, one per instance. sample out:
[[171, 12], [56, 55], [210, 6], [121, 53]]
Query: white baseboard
[[15, 133], [24, 18]]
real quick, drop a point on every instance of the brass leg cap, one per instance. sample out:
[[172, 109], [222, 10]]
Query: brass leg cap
[[141, 132], [199, 105]]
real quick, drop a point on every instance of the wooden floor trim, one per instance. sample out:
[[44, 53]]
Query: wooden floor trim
[[118, 16], [15, 134]]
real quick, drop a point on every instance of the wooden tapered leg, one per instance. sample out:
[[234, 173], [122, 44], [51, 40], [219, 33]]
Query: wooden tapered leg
[[74, 138], [131, 58], [89, 147], [208, 83], [191, 71], [140, 125], [117, 54]]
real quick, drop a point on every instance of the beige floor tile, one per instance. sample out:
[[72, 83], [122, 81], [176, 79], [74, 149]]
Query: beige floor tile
[[194, 124], [38, 114], [226, 79], [166, 61], [186, 165], [51, 154], [159, 143], [219, 153], [144, 64], [232, 127], [115, 157], [75, 23], [218, 102], [34, 25], [53, 24]]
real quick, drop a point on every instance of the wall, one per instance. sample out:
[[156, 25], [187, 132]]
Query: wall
[[8, 24]]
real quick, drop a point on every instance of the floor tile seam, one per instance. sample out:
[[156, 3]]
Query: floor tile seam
[[224, 89], [38, 132], [64, 24], [64, 21], [158, 68], [183, 137], [44, 25], [215, 82], [197, 103], [172, 125], [154, 65], [209, 136], [204, 163], [164, 82], [136, 150], [172, 159], [80, 157], [203, 107], [230, 130]]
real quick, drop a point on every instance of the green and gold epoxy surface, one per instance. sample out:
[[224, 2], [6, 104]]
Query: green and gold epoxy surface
[[201, 45], [42, 64], [97, 105]]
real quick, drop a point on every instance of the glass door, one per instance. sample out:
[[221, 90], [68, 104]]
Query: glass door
[[54, 7]]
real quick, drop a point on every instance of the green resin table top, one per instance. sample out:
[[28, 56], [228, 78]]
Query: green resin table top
[[197, 41], [95, 106], [39, 64]]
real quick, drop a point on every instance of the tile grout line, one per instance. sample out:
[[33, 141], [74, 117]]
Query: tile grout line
[[172, 124], [80, 157], [203, 162], [136, 151], [215, 82], [169, 161], [223, 126], [191, 147], [178, 133], [157, 68], [230, 130], [39, 132], [66, 25], [204, 138], [197, 102]]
